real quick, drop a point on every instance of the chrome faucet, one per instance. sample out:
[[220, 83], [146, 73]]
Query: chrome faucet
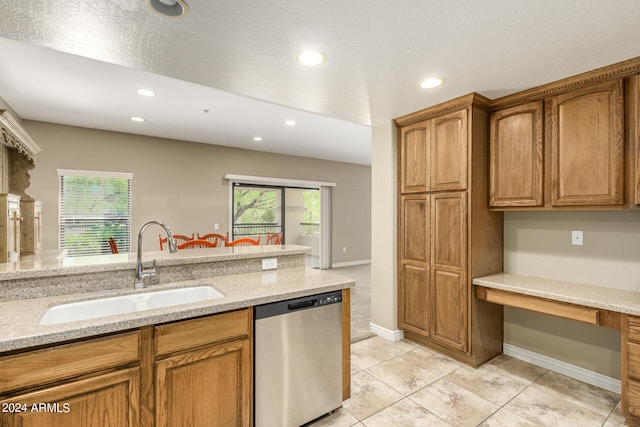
[[141, 272]]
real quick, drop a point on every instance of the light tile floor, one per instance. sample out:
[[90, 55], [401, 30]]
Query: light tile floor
[[360, 299], [404, 384]]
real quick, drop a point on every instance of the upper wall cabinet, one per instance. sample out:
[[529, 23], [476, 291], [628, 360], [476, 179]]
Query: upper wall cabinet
[[433, 154], [587, 146], [567, 145], [516, 161]]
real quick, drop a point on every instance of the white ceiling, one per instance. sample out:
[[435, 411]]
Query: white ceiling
[[78, 62]]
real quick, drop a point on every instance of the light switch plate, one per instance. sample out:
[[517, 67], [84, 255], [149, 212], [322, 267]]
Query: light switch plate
[[269, 263], [576, 238]]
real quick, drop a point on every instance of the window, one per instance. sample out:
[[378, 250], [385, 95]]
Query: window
[[93, 207]]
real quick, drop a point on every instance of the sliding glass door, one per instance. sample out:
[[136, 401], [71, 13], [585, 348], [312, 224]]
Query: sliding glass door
[[294, 212]]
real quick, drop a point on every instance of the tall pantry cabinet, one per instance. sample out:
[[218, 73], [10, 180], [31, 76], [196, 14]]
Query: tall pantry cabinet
[[447, 235]]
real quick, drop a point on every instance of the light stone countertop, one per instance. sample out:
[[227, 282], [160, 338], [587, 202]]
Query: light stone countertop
[[54, 263], [618, 300], [19, 327]]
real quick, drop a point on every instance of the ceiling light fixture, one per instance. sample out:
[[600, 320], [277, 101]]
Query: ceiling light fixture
[[169, 8], [257, 138], [136, 119], [311, 58], [290, 122], [430, 83], [146, 92]]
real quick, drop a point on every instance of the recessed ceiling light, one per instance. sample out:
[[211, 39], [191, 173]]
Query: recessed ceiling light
[[146, 92], [169, 8], [136, 119], [290, 122], [257, 138], [311, 58], [430, 83]]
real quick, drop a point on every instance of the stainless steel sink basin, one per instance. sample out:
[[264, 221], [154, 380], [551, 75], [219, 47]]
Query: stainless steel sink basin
[[111, 306]]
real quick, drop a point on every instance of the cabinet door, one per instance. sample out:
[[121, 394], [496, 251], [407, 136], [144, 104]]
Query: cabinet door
[[414, 158], [587, 146], [449, 290], [205, 388], [449, 152], [516, 159], [414, 277], [109, 400]]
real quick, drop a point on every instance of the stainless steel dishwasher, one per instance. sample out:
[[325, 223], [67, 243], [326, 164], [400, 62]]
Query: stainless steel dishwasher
[[298, 360]]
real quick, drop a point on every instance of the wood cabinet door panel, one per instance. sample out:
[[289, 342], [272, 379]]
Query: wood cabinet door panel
[[516, 156], [449, 229], [414, 158], [587, 140], [205, 388], [109, 400], [449, 308], [449, 152], [414, 229], [413, 295]]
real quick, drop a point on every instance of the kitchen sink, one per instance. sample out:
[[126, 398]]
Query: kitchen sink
[[91, 309]]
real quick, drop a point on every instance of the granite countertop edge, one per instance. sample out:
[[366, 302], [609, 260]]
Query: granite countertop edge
[[34, 267], [601, 297], [19, 328]]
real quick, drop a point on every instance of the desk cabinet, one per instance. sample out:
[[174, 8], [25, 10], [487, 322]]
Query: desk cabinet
[[631, 369]]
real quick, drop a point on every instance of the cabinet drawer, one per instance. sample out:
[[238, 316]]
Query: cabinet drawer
[[633, 360], [193, 333], [633, 398], [633, 329], [43, 366]]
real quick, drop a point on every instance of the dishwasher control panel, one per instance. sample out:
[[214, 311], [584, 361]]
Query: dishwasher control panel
[[332, 299]]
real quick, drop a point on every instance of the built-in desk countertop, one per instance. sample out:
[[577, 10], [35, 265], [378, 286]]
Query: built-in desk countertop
[[588, 303]]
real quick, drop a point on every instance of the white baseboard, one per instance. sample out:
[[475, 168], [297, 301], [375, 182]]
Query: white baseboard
[[387, 334], [350, 263], [568, 369]]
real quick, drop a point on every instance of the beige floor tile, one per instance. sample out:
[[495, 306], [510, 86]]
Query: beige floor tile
[[370, 352], [404, 413], [616, 419], [549, 410], [455, 405], [586, 395], [487, 383], [402, 375], [505, 418], [432, 361], [517, 369], [340, 418], [355, 369], [369, 395]]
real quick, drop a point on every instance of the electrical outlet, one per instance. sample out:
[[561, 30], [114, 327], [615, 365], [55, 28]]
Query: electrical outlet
[[269, 263], [216, 226], [576, 238], [344, 250]]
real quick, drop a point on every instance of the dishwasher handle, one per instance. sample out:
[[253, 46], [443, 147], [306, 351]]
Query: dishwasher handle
[[301, 305]]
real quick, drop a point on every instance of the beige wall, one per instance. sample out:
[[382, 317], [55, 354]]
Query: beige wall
[[182, 183], [539, 244], [384, 227]]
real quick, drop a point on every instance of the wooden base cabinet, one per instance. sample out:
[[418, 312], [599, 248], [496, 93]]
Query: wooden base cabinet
[[203, 371], [107, 400], [446, 234], [92, 383], [195, 372], [31, 228]]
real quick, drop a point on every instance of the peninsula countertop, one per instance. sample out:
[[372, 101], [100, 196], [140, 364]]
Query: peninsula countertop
[[19, 319]]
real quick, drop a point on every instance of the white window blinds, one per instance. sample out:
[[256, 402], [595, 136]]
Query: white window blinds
[[93, 207]]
